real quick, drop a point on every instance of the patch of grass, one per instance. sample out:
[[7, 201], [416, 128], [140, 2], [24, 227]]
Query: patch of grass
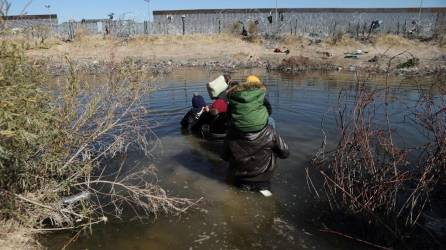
[[290, 40], [391, 40], [341, 39]]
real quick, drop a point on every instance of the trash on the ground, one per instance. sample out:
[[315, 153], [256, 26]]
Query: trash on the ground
[[412, 62], [266, 193], [355, 54], [285, 50], [351, 56], [84, 195]]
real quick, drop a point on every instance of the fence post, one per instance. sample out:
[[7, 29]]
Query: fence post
[[183, 17], [295, 28], [146, 27], [219, 26], [334, 29], [71, 34]]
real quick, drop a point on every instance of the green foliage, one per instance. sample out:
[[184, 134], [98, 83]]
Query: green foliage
[[27, 123]]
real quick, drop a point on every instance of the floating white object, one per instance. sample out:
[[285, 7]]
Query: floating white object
[[216, 87], [266, 193], [75, 198]]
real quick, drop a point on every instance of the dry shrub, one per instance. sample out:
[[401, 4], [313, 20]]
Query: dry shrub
[[341, 39], [82, 34], [236, 28], [252, 27], [256, 39], [390, 40], [290, 40], [180, 39], [298, 63], [370, 176], [69, 141]]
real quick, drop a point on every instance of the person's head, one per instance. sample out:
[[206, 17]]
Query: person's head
[[252, 82], [198, 103], [252, 79]]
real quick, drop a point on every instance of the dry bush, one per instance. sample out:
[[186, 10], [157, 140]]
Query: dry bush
[[370, 176], [252, 27], [82, 34], [390, 40], [236, 28], [341, 39], [52, 146], [290, 40], [300, 63], [180, 39]]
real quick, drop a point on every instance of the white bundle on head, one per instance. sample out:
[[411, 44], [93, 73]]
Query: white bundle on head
[[216, 87]]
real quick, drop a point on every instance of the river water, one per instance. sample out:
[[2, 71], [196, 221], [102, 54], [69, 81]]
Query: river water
[[228, 218]]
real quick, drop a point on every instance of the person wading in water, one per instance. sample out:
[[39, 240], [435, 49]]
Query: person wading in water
[[252, 145]]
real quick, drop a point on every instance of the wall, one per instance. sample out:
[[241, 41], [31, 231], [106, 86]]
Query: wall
[[27, 21], [302, 21]]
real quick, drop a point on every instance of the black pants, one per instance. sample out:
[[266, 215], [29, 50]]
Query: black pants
[[255, 184]]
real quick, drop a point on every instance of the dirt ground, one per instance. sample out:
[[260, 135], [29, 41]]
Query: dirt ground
[[227, 47], [14, 237]]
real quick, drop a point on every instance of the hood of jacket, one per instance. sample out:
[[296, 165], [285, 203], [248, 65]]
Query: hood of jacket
[[248, 111]]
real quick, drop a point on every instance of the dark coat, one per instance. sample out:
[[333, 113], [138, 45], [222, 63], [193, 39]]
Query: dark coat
[[253, 156]]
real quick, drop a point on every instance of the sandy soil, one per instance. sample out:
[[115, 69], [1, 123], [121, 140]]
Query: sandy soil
[[227, 47], [15, 237]]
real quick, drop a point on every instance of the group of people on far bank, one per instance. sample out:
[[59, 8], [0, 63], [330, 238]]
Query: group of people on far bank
[[240, 115]]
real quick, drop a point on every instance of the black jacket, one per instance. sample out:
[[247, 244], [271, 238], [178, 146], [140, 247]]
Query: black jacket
[[254, 155]]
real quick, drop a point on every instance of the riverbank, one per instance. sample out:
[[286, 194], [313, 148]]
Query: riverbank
[[13, 236], [227, 52]]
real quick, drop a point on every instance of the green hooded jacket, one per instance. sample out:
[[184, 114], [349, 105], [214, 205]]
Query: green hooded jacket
[[248, 111]]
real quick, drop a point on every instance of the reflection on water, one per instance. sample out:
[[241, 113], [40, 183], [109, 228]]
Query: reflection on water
[[228, 218]]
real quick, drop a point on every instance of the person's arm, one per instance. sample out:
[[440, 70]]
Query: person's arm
[[280, 147], [185, 120], [268, 106]]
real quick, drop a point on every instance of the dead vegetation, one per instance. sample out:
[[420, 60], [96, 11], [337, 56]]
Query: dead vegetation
[[342, 39], [391, 40], [14, 236], [371, 176], [73, 141]]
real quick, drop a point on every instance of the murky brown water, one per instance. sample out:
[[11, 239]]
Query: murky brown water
[[228, 218]]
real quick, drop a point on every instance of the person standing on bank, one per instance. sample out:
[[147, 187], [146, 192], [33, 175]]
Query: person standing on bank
[[252, 145]]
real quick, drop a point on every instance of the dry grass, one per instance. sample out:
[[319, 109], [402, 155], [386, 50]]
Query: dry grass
[[342, 40], [392, 40], [186, 39], [293, 40], [13, 236]]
